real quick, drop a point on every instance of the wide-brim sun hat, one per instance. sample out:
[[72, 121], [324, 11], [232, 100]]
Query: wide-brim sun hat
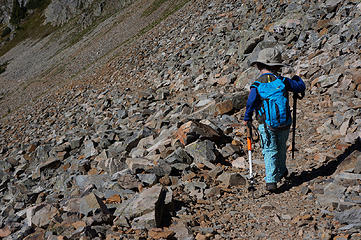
[[270, 57]]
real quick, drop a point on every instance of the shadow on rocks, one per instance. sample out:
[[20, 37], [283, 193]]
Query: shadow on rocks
[[170, 211], [325, 170]]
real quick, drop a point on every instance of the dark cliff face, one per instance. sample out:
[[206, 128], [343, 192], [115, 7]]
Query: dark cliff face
[[57, 12], [60, 12]]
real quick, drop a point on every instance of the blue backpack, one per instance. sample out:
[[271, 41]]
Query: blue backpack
[[274, 110]]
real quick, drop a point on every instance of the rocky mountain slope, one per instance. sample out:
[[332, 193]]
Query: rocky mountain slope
[[149, 142]]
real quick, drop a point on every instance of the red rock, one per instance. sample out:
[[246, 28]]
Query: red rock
[[38, 235], [4, 232], [200, 236], [192, 128], [222, 81], [342, 237], [224, 107], [32, 148], [165, 181], [356, 77], [78, 224], [114, 199], [160, 233]]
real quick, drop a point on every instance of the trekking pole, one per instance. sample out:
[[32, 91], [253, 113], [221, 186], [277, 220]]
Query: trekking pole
[[295, 97], [251, 187]]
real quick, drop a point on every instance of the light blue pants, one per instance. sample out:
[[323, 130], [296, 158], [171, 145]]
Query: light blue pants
[[274, 152]]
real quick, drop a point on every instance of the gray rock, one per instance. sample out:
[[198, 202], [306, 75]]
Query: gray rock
[[215, 172], [76, 143], [146, 221], [344, 127], [126, 180], [328, 80], [162, 169], [331, 5], [202, 152], [42, 152], [148, 179], [42, 215], [213, 192], [350, 216], [347, 176], [91, 203], [357, 169], [133, 141], [231, 179], [178, 156], [99, 181], [89, 149], [334, 189], [137, 165], [110, 165], [353, 137], [181, 231], [50, 163], [239, 162], [229, 150], [150, 200]]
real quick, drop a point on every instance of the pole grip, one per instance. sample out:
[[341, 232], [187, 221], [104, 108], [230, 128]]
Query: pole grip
[[249, 136], [249, 144]]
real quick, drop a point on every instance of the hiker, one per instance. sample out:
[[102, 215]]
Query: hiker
[[269, 99]]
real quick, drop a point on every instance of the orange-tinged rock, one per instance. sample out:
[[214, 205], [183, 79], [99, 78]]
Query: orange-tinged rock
[[298, 219], [322, 24], [32, 148], [27, 157], [224, 107], [323, 32], [66, 166], [236, 142], [4, 232], [114, 199], [38, 235], [192, 128], [78, 224], [222, 81], [342, 237], [112, 237], [160, 233], [93, 171], [201, 237], [356, 77]]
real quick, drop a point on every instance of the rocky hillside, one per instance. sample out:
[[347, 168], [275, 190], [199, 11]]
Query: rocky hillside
[[148, 143]]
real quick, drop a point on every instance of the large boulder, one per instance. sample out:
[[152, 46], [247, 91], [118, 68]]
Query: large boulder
[[146, 209]]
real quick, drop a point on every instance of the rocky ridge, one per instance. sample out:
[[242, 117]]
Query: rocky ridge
[[152, 144]]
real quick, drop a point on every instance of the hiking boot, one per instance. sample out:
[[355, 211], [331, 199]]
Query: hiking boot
[[284, 175], [271, 187]]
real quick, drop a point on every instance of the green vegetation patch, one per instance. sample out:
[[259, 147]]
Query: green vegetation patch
[[31, 27], [153, 7]]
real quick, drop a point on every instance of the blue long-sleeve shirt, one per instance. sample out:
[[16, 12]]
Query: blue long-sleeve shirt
[[295, 84]]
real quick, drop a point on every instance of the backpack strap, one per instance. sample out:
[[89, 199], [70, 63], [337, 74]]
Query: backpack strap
[[255, 85]]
